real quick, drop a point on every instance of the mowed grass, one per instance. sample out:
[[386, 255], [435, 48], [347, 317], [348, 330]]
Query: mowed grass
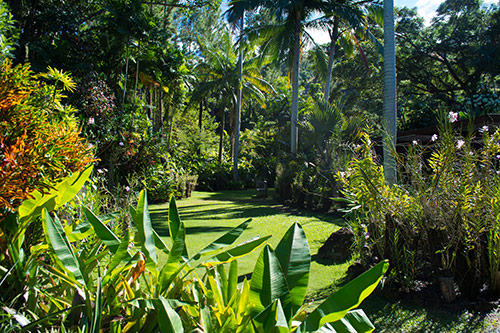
[[209, 215]]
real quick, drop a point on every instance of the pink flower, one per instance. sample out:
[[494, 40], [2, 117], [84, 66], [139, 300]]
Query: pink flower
[[453, 117], [91, 121], [127, 188]]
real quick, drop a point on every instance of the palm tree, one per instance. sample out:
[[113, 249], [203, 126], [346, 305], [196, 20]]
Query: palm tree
[[220, 75], [238, 105], [346, 20], [389, 113], [283, 39]]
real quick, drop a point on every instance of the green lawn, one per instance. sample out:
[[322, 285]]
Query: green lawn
[[208, 215]]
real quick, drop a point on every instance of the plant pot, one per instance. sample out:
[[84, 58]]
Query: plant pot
[[447, 287]]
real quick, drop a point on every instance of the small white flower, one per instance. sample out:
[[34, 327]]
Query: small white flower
[[94, 187], [127, 188], [453, 116], [484, 129], [121, 144], [415, 142], [471, 153], [100, 171], [91, 121], [460, 144], [434, 137]]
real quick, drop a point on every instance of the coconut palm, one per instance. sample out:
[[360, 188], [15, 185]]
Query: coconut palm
[[346, 21], [389, 113], [282, 39]]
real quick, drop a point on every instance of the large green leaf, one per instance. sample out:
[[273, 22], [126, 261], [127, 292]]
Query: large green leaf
[[57, 240], [102, 230], [295, 259], [347, 298], [237, 251], [175, 261], [145, 236], [62, 192], [232, 280], [121, 255], [174, 224], [354, 321], [168, 319], [227, 239], [268, 282], [97, 315]]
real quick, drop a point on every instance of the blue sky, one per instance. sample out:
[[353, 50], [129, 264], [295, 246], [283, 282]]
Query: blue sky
[[426, 9]]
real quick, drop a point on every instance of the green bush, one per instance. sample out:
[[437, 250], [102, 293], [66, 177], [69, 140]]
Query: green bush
[[444, 217]]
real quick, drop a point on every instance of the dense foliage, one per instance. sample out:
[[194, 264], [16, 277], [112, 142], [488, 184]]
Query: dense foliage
[[40, 139], [442, 218], [82, 276]]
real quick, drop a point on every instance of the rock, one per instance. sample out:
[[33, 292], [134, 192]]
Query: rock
[[338, 246]]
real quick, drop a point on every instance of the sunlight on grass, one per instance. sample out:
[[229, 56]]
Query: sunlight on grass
[[208, 215]]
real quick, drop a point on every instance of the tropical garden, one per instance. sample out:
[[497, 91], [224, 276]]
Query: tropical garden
[[180, 165]]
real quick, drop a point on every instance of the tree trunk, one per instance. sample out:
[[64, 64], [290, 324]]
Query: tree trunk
[[231, 130], [125, 82], [136, 81], [390, 113], [200, 123], [295, 88], [238, 106], [331, 57], [221, 139]]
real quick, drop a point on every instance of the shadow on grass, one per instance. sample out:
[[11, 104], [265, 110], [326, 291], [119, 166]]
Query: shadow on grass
[[229, 213], [328, 262], [397, 316]]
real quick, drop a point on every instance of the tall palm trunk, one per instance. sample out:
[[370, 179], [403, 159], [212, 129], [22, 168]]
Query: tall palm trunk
[[238, 105], [389, 113], [221, 139], [334, 33], [295, 87]]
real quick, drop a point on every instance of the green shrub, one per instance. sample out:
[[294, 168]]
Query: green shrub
[[444, 217], [39, 136]]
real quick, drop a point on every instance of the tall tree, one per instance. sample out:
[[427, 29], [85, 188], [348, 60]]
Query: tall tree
[[219, 76], [345, 20], [238, 104], [282, 39], [389, 113]]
